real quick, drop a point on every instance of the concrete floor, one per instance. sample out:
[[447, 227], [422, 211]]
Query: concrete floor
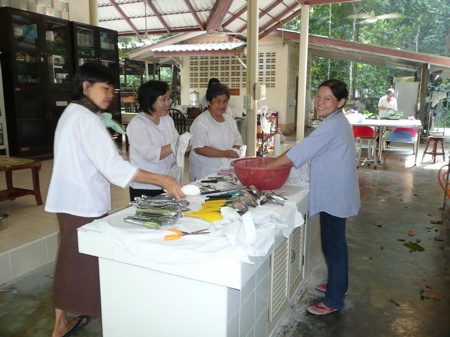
[[393, 292]]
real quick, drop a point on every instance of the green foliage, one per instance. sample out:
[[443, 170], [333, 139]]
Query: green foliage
[[423, 28]]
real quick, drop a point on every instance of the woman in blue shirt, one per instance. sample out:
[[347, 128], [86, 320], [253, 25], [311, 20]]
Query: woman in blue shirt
[[334, 191]]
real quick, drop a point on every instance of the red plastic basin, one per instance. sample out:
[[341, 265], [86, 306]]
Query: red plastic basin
[[249, 172]]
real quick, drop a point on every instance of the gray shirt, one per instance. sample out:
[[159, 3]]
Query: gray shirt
[[330, 149]]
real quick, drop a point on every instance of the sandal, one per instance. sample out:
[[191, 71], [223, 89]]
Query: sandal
[[320, 309], [321, 287]]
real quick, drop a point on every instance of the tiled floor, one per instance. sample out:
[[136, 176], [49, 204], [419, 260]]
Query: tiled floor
[[30, 240], [393, 292]]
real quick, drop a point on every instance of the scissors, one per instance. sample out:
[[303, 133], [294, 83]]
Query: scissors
[[178, 234]]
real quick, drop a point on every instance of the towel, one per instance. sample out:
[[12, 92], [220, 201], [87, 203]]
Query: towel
[[179, 148], [226, 162], [108, 122]]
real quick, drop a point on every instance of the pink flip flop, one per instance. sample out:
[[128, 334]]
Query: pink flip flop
[[320, 309]]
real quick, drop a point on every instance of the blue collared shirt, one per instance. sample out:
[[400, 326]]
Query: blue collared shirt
[[330, 149]]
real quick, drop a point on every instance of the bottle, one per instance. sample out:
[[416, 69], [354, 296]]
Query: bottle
[[277, 150]]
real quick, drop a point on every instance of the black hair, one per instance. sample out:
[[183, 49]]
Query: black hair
[[213, 81], [93, 72], [337, 87], [149, 92], [217, 90]]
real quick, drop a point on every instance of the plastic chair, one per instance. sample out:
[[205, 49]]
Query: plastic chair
[[365, 134], [179, 119]]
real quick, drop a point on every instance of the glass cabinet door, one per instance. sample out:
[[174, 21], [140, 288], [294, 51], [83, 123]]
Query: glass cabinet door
[[84, 42], [25, 32], [28, 68], [108, 45], [57, 50]]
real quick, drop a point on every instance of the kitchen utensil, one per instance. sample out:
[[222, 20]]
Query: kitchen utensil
[[178, 234], [212, 181], [255, 191], [240, 207], [271, 199]]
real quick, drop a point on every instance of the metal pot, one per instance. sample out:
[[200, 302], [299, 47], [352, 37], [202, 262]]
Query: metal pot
[[3, 221]]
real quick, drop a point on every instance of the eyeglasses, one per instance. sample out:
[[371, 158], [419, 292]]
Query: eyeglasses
[[165, 100]]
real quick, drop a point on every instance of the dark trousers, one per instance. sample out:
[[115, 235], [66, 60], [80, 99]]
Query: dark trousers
[[334, 247]]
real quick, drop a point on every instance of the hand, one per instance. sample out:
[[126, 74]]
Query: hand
[[231, 154], [172, 186]]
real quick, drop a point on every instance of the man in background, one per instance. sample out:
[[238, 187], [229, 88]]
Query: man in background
[[387, 104]]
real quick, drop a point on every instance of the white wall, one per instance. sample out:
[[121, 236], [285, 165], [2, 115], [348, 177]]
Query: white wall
[[281, 97], [79, 11]]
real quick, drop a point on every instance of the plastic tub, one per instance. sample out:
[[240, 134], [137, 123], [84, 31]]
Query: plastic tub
[[249, 172]]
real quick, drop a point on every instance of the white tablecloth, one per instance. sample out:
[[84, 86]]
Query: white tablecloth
[[147, 244]]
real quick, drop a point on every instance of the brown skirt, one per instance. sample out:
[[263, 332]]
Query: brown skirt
[[76, 286]]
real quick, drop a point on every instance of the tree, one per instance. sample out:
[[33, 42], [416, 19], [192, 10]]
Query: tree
[[422, 29]]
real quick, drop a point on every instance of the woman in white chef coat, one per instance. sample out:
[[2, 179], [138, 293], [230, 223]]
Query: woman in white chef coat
[[215, 135], [150, 135], [86, 162]]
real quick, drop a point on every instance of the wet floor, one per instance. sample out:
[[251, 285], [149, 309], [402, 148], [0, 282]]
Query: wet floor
[[394, 291]]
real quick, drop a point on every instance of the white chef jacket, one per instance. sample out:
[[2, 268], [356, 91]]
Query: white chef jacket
[[86, 161], [146, 139], [392, 105], [206, 131]]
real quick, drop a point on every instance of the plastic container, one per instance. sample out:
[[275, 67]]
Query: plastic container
[[249, 172]]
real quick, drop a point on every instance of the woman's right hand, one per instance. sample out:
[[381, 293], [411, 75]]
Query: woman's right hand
[[172, 186]]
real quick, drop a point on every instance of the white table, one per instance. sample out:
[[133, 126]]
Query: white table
[[382, 124], [220, 296]]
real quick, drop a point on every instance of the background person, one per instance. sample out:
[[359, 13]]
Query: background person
[[86, 162], [215, 135], [150, 134], [334, 191], [387, 104], [211, 82]]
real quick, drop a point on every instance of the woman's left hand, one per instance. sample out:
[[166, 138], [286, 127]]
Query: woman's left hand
[[231, 154]]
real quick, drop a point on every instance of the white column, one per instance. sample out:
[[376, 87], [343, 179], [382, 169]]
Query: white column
[[302, 72], [252, 73], [93, 10]]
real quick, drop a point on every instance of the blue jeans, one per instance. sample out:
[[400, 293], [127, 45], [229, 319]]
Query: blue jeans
[[335, 250]]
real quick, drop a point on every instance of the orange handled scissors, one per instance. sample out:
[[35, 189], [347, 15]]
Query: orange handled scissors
[[178, 234]]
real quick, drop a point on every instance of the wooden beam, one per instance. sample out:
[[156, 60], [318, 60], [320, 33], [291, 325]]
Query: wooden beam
[[194, 14], [217, 14], [156, 13], [124, 16]]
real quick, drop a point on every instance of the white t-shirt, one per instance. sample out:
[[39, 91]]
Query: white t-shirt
[[86, 161], [391, 105], [146, 139], [206, 131]]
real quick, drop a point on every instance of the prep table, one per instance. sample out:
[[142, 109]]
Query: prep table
[[200, 285]]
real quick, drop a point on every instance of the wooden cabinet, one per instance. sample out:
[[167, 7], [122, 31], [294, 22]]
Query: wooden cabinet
[[99, 45], [36, 71], [37, 62]]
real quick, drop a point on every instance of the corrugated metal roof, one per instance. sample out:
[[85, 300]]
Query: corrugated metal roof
[[135, 17], [200, 47]]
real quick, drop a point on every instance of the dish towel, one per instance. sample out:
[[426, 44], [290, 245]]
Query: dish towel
[[226, 162], [179, 148]]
